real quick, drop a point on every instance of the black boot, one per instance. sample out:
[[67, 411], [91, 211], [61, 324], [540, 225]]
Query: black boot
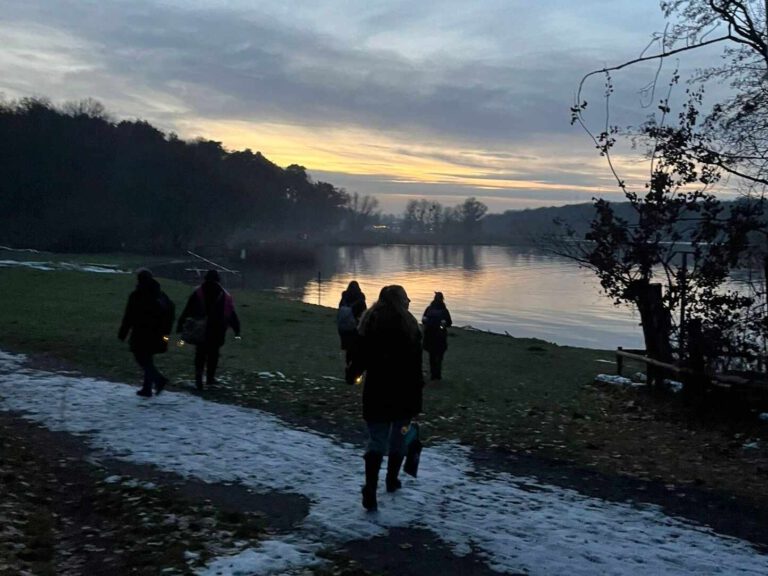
[[199, 366], [146, 388], [211, 363], [372, 467], [394, 461], [160, 383]]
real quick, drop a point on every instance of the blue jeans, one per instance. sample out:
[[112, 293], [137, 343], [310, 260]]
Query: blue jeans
[[387, 437]]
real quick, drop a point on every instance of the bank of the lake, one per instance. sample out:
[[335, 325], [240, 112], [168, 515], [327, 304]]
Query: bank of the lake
[[521, 291], [507, 395]]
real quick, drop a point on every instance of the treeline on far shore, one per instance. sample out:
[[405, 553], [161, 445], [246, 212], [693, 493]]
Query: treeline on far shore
[[72, 178]]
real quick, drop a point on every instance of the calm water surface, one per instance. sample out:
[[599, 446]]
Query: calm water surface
[[520, 291]]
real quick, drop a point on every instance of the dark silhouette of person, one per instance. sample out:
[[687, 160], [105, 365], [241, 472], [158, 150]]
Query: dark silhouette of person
[[436, 321], [389, 352], [210, 301], [351, 308], [148, 317]]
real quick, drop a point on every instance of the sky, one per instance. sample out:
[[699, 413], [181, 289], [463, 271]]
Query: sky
[[438, 99], [514, 524]]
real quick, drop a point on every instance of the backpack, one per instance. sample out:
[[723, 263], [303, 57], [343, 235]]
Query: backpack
[[345, 319]]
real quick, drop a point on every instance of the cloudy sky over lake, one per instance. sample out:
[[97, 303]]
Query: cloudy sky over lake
[[438, 98]]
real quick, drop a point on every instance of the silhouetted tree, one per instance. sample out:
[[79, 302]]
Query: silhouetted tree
[[362, 211], [470, 214], [678, 213]]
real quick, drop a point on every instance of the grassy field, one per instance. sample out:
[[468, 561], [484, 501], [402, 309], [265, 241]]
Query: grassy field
[[504, 393]]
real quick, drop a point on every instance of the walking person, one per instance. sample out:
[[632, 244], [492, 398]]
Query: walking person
[[351, 308], [389, 352], [213, 309], [148, 317], [436, 321]]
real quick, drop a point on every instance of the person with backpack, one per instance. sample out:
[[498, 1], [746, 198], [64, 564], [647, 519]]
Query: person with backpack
[[351, 307], [389, 352], [436, 321], [148, 317], [210, 310]]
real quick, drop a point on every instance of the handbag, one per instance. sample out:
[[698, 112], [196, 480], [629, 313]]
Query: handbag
[[193, 331], [412, 450]]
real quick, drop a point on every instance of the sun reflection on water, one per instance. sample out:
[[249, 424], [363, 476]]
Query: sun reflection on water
[[523, 292]]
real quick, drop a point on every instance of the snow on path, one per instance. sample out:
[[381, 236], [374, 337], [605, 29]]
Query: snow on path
[[515, 523]]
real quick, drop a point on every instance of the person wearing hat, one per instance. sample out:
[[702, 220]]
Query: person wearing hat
[[436, 321], [149, 319], [211, 302]]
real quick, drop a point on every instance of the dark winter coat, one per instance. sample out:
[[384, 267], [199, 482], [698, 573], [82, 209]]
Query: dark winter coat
[[212, 301], [436, 321], [355, 300], [390, 355], [148, 317]]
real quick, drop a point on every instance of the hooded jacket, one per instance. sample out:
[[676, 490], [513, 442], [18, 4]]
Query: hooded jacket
[[148, 317]]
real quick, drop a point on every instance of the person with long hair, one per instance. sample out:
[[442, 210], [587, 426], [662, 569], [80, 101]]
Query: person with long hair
[[389, 352]]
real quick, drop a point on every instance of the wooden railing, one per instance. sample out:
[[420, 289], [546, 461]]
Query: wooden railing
[[717, 378]]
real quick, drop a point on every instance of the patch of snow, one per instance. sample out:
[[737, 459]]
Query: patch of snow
[[271, 557], [516, 524], [52, 266], [617, 380], [32, 250], [673, 386]]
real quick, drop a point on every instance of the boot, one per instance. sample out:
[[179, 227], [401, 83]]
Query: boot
[[146, 387], [199, 366], [212, 362], [372, 466], [160, 383], [394, 461]]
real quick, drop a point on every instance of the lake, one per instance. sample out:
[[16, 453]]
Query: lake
[[521, 291]]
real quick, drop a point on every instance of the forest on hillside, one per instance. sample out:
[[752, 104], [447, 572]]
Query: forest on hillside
[[72, 178]]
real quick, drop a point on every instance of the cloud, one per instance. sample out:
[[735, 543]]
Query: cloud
[[242, 64], [435, 93]]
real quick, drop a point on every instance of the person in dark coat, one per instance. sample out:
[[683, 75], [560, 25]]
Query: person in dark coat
[[351, 308], [210, 301], [436, 321], [389, 352], [149, 319]]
